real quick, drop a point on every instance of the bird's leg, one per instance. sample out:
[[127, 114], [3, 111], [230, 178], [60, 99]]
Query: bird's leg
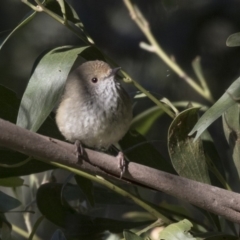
[[79, 151], [121, 163]]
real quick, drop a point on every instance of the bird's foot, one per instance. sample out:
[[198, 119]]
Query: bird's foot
[[121, 163], [79, 151]]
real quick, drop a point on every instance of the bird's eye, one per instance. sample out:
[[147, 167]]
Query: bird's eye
[[94, 80]]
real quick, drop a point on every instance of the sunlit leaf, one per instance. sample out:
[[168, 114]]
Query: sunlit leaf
[[178, 231]]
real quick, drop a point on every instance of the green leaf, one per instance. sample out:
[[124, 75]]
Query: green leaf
[[11, 182], [46, 85], [128, 235], [144, 121], [7, 202], [225, 102], [186, 155], [233, 40], [231, 127], [177, 231]]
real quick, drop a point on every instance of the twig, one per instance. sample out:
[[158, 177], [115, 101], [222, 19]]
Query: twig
[[150, 96], [41, 8], [35, 8], [147, 47], [142, 23]]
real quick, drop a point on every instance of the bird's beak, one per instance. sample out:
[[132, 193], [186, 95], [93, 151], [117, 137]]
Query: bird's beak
[[114, 71]]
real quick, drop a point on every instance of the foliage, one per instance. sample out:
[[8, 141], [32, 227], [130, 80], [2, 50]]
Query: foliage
[[75, 206]]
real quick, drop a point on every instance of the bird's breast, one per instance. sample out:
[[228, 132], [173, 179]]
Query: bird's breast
[[98, 121]]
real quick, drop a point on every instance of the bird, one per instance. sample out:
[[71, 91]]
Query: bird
[[94, 109]]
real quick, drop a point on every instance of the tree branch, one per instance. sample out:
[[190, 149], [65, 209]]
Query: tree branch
[[213, 199]]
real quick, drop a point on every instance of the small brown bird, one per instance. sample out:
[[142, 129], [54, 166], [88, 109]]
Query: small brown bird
[[94, 109]]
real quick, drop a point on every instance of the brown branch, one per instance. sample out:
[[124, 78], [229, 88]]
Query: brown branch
[[213, 199]]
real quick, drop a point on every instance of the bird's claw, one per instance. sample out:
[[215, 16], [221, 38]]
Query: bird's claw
[[79, 151], [121, 163]]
